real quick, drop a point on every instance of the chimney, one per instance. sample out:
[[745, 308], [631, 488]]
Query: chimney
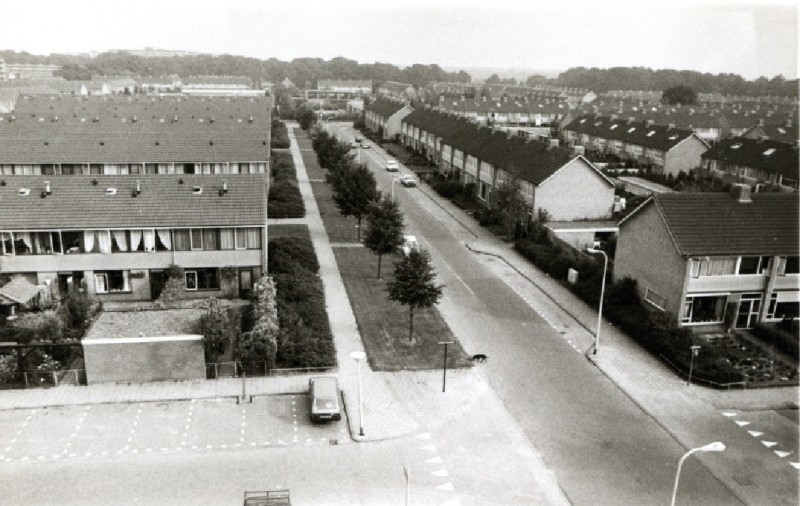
[[47, 188], [138, 187], [741, 192], [651, 122], [631, 119], [552, 143], [578, 150], [670, 126]]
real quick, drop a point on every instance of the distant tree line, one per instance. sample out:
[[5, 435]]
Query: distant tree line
[[303, 72], [642, 78]]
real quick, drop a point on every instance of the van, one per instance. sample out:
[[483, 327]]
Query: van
[[323, 396]]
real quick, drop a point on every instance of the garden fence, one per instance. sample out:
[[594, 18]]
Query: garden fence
[[216, 370], [54, 378]]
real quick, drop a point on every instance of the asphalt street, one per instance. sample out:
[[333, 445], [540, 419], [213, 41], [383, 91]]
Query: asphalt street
[[603, 448]]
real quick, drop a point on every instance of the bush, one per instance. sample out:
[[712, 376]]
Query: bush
[[279, 135], [75, 310], [45, 326], [787, 342], [447, 189], [287, 253], [8, 369], [217, 329]]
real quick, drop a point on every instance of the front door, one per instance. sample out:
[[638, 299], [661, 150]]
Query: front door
[[749, 307], [157, 281], [245, 283]]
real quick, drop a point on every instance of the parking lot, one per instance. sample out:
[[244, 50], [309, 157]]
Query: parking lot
[[161, 427]]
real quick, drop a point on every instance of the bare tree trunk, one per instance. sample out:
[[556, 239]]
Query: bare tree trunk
[[411, 323], [358, 228], [380, 256]]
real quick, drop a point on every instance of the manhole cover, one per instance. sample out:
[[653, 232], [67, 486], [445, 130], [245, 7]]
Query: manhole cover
[[333, 441]]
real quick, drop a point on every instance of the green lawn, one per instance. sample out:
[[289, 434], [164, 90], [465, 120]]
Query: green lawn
[[383, 324]]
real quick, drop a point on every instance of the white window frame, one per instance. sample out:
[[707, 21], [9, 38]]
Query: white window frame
[[104, 277], [663, 301], [186, 275], [192, 247]]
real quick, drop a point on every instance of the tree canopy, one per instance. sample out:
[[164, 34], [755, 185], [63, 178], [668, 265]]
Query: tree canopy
[[680, 94], [355, 191], [414, 284], [384, 229]]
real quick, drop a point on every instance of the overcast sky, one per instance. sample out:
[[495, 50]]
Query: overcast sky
[[748, 38]]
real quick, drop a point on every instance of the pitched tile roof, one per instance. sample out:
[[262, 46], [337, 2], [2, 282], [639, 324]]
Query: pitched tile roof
[[530, 160], [718, 224], [19, 290], [385, 107], [76, 203], [768, 155], [637, 133]]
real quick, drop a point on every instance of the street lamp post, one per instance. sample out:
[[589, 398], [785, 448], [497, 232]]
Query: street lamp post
[[359, 356], [444, 367], [602, 293], [711, 447], [393, 180], [695, 350]]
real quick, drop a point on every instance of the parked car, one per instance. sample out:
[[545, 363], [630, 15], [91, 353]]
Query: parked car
[[323, 396], [392, 166], [364, 145], [409, 244], [408, 180]]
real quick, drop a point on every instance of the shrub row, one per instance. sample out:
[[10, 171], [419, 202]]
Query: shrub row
[[285, 200], [305, 339], [279, 135], [783, 340]]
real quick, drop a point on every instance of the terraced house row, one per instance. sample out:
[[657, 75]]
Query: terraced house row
[[108, 193], [557, 180]]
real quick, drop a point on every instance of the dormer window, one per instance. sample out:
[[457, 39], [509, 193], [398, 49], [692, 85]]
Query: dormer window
[[769, 151], [651, 133], [631, 129], [111, 191], [24, 192], [673, 137], [198, 190], [613, 127], [737, 145]]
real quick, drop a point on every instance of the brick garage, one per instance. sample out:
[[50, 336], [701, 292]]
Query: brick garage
[[143, 346]]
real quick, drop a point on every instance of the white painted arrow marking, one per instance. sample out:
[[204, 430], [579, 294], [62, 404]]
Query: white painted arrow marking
[[434, 460], [782, 454], [768, 444], [755, 433], [447, 486], [742, 423], [440, 472], [430, 448], [728, 413], [424, 435]]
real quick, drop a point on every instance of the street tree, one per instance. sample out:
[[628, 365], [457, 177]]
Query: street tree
[[413, 285], [511, 203], [680, 94], [216, 329], [305, 116], [355, 191], [384, 229]]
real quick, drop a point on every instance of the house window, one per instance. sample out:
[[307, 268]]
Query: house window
[[713, 267], [197, 238], [241, 238], [202, 279], [754, 265], [788, 265], [783, 304], [6, 244], [704, 309], [655, 299], [111, 282]]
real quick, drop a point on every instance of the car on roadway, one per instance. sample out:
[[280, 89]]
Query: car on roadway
[[323, 394], [364, 145], [408, 180], [353, 144], [392, 166], [409, 244]]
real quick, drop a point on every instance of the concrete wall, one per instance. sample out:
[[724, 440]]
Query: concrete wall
[[684, 157], [574, 192], [394, 121], [144, 359], [646, 253]]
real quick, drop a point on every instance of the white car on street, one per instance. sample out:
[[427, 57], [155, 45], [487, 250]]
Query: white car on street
[[408, 180], [392, 166]]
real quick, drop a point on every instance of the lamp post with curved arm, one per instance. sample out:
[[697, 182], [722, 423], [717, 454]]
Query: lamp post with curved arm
[[711, 447], [602, 293]]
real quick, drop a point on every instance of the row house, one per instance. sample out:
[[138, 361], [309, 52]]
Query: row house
[[760, 163], [787, 132], [116, 235], [725, 260], [552, 179], [385, 115], [505, 112], [400, 91], [668, 150], [196, 138]]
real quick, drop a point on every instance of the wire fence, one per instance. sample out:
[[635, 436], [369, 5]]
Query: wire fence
[[216, 370]]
